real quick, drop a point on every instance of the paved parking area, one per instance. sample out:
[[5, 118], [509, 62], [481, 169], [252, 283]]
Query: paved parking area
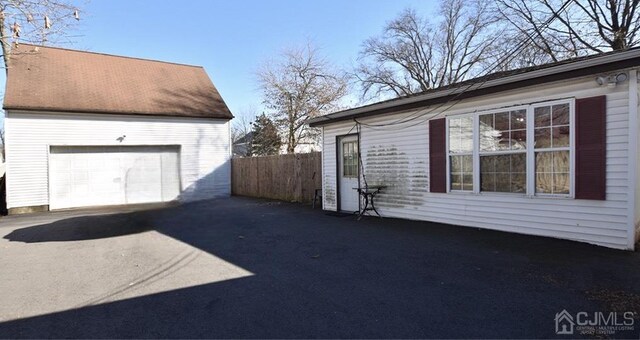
[[252, 268]]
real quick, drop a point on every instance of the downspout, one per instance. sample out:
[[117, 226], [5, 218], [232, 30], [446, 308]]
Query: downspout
[[322, 182], [632, 159]]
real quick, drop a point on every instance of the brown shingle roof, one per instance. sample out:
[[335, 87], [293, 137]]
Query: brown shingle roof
[[62, 80]]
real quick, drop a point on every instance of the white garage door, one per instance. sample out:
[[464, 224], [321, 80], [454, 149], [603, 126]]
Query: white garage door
[[81, 176]]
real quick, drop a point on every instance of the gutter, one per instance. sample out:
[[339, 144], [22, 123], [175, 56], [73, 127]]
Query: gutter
[[195, 115]]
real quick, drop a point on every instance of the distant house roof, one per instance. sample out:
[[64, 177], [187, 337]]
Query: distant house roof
[[63, 80], [493, 83]]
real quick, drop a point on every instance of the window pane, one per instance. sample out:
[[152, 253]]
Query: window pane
[[456, 181], [542, 116], [467, 163], [466, 134], [544, 183], [486, 121], [519, 182], [542, 138], [518, 119], [503, 131], [461, 134], [503, 173], [454, 135], [455, 164], [489, 137], [519, 140], [560, 183], [487, 182], [467, 182], [502, 182], [502, 141], [561, 114], [461, 172], [502, 121], [552, 172], [487, 164], [502, 164], [454, 143], [561, 161], [350, 159], [519, 162], [544, 162], [560, 136]]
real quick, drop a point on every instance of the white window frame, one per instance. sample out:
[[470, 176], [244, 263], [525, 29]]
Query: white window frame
[[529, 151], [357, 165], [531, 173], [472, 153], [478, 153]]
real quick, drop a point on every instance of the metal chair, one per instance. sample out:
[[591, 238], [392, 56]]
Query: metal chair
[[316, 195]]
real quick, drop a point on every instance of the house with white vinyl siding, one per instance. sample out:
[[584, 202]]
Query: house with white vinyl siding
[[91, 129], [550, 150]]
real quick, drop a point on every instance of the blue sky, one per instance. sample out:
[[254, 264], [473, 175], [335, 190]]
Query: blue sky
[[231, 38]]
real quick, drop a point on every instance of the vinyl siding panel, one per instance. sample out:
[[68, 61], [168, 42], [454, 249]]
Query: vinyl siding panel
[[398, 156], [204, 149]]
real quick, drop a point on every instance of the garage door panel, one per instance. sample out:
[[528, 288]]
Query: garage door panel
[[142, 178], [170, 177], [90, 176]]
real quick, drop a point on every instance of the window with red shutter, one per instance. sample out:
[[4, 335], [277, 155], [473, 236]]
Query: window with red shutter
[[437, 155], [591, 134], [528, 149]]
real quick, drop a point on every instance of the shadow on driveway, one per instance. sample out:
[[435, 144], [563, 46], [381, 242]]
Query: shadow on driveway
[[328, 277], [84, 228]]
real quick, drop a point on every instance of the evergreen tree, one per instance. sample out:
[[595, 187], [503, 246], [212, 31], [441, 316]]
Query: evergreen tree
[[266, 140]]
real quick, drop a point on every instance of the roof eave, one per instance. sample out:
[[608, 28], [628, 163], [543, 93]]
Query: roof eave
[[194, 115], [576, 69]]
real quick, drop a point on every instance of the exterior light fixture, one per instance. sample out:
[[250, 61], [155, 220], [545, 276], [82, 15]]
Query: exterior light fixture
[[611, 80]]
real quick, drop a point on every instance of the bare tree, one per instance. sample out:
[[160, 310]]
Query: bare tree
[[241, 136], [241, 124], [300, 85], [35, 21], [579, 27], [414, 55]]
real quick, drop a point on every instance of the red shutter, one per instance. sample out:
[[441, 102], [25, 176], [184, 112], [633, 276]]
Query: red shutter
[[591, 134], [437, 155]]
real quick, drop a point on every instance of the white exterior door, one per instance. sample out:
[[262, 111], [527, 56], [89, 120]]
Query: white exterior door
[[348, 172], [81, 176]]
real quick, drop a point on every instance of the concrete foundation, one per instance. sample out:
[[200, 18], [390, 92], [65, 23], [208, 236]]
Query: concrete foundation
[[28, 210]]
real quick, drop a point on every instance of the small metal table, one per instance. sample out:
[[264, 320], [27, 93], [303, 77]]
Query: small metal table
[[369, 193]]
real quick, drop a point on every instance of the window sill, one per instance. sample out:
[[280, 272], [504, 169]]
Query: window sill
[[508, 194]]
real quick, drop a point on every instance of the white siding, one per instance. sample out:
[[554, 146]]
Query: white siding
[[398, 156], [204, 149]]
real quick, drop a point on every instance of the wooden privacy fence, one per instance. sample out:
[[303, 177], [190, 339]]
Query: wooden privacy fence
[[291, 177]]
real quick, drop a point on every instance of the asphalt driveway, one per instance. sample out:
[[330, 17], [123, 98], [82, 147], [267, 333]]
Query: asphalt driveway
[[252, 268]]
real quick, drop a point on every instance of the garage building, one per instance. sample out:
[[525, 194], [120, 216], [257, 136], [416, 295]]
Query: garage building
[[90, 129]]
